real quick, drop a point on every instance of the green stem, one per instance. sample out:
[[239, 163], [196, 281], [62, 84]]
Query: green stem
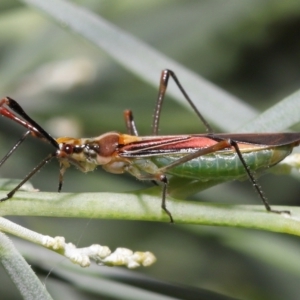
[[146, 206]]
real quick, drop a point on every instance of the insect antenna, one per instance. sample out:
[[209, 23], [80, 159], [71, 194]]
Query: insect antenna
[[34, 129]]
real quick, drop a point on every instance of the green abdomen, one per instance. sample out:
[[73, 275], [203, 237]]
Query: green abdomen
[[224, 164]]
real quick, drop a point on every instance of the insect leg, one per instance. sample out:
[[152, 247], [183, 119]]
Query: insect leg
[[254, 181], [130, 124], [164, 79], [14, 148], [218, 146], [165, 182], [35, 170]]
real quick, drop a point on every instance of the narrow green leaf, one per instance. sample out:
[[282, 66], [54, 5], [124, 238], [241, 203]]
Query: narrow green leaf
[[20, 272], [147, 62]]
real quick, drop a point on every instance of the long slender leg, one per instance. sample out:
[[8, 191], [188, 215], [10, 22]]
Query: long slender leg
[[254, 181], [130, 124], [158, 176], [14, 148], [164, 79], [35, 170], [165, 182]]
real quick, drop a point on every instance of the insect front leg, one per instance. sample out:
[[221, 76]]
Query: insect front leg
[[34, 171], [14, 148]]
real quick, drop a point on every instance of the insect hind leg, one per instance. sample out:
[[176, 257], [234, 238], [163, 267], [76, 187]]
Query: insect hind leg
[[254, 181]]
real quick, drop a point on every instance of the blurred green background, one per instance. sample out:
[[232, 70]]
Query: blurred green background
[[249, 48]]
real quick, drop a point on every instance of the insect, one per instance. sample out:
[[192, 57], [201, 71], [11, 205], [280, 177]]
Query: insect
[[207, 156]]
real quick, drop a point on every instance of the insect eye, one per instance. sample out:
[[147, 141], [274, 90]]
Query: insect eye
[[68, 148]]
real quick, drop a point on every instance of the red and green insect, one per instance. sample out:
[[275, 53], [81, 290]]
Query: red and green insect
[[203, 157]]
